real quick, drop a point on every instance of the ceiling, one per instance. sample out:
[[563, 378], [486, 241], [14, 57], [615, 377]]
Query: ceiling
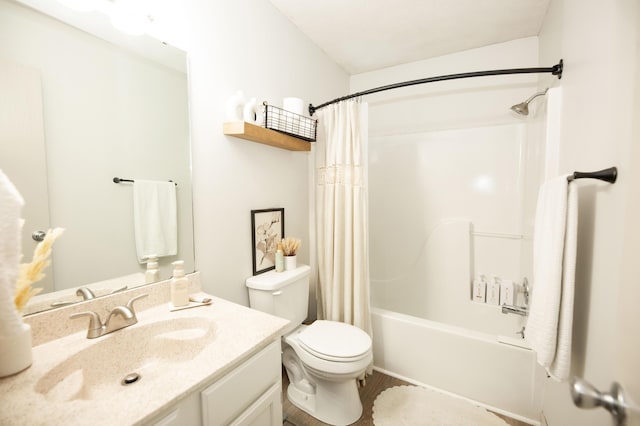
[[365, 35]]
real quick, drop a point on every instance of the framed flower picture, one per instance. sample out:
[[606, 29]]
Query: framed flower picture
[[267, 229]]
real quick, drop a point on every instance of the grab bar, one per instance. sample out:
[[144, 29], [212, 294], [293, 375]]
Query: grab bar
[[518, 310]]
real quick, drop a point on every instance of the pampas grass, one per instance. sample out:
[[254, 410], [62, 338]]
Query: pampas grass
[[29, 273], [290, 246]]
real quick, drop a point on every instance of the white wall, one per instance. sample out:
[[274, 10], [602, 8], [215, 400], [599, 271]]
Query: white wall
[[450, 151], [598, 41], [246, 45]]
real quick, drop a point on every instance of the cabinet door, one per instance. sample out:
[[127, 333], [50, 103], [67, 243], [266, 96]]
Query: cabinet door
[[185, 413], [266, 411], [230, 397]]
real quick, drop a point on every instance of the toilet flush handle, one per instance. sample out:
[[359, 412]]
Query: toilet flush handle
[[277, 293]]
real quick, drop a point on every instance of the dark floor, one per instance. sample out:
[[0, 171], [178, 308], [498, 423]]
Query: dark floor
[[376, 383]]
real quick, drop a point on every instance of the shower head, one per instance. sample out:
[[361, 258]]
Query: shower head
[[523, 107]]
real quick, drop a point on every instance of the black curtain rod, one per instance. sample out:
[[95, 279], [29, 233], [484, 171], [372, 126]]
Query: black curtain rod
[[118, 180], [555, 70]]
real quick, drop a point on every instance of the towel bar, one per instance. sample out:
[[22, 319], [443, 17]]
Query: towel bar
[[608, 175], [118, 180]]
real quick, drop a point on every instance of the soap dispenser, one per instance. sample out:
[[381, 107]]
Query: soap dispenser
[[179, 285], [152, 274], [279, 258]]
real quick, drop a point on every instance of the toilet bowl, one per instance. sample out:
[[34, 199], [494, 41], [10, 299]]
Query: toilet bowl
[[324, 359]]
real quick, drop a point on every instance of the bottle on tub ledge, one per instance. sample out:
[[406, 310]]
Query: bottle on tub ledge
[[480, 289], [507, 292], [493, 291], [179, 285]]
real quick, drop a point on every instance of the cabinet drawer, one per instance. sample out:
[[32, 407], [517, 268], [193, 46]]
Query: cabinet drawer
[[226, 399]]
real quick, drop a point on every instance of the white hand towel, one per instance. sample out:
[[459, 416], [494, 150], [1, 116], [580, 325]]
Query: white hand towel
[[155, 218], [554, 256], [11, 203]]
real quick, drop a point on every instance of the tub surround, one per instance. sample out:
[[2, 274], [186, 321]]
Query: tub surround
[[476, 366], [237, 333]]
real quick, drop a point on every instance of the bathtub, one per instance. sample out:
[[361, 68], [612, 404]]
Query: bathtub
[[465, 363]]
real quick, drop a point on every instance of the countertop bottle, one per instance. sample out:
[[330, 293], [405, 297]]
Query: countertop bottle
[[279, 258], [152, 273], [179, 285]]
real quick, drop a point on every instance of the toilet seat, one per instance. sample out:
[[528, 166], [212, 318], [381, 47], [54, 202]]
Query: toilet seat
[[335, 341]]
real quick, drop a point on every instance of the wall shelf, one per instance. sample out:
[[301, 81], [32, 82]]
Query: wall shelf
[[251, 132]]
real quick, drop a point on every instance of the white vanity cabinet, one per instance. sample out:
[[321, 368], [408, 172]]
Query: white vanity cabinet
[[248, 395]]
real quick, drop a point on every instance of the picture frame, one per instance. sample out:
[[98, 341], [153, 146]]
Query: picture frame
[[267, 230]]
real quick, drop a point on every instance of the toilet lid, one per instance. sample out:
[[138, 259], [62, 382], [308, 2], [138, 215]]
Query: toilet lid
[[334, 340]]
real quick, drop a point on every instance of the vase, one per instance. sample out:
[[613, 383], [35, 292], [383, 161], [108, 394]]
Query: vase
[[15, 351], [290, 263]]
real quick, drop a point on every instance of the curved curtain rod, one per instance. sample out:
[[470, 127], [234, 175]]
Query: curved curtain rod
[[555, 70]]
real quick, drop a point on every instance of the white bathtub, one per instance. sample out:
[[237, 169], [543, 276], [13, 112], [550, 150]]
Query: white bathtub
[[462, 362]]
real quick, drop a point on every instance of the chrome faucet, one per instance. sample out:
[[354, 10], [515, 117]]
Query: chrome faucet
[[518, 310], [119, 317], [85, 293]]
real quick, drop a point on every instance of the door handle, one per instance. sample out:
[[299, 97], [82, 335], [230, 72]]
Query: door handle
[[585, 395], [38, 235]]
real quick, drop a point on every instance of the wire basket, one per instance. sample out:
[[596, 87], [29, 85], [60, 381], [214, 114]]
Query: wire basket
[[290, 123]]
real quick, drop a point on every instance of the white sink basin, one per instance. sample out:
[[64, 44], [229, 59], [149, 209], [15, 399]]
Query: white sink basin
[[150, 350]]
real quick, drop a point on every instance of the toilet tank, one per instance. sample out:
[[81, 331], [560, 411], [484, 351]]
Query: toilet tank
[[283, 294]]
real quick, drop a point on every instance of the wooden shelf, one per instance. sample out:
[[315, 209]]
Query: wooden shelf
[[251, 132]]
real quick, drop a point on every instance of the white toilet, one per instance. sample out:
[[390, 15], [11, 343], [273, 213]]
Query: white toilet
[[324, 359]]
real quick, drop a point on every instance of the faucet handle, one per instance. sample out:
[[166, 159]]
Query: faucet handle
[[133, 299], [94, 322]]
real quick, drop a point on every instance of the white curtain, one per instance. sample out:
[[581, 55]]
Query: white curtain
[[342, 214]]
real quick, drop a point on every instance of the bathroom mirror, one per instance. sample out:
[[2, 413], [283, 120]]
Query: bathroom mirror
[[85, 103]]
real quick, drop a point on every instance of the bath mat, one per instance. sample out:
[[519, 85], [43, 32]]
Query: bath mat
[[413, 405]]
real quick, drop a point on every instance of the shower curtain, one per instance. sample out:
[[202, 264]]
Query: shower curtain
[[342, 214]]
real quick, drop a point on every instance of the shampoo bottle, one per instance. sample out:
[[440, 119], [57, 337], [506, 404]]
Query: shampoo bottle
[[479, 289], [179, 285], [507, 292], [152, 274], [493, 291], [279, 258]]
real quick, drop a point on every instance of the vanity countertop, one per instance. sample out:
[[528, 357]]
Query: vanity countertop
[[236, 332]]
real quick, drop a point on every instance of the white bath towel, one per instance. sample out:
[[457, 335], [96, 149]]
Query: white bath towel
[[155, 218], [550, 320], [11, 203]]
